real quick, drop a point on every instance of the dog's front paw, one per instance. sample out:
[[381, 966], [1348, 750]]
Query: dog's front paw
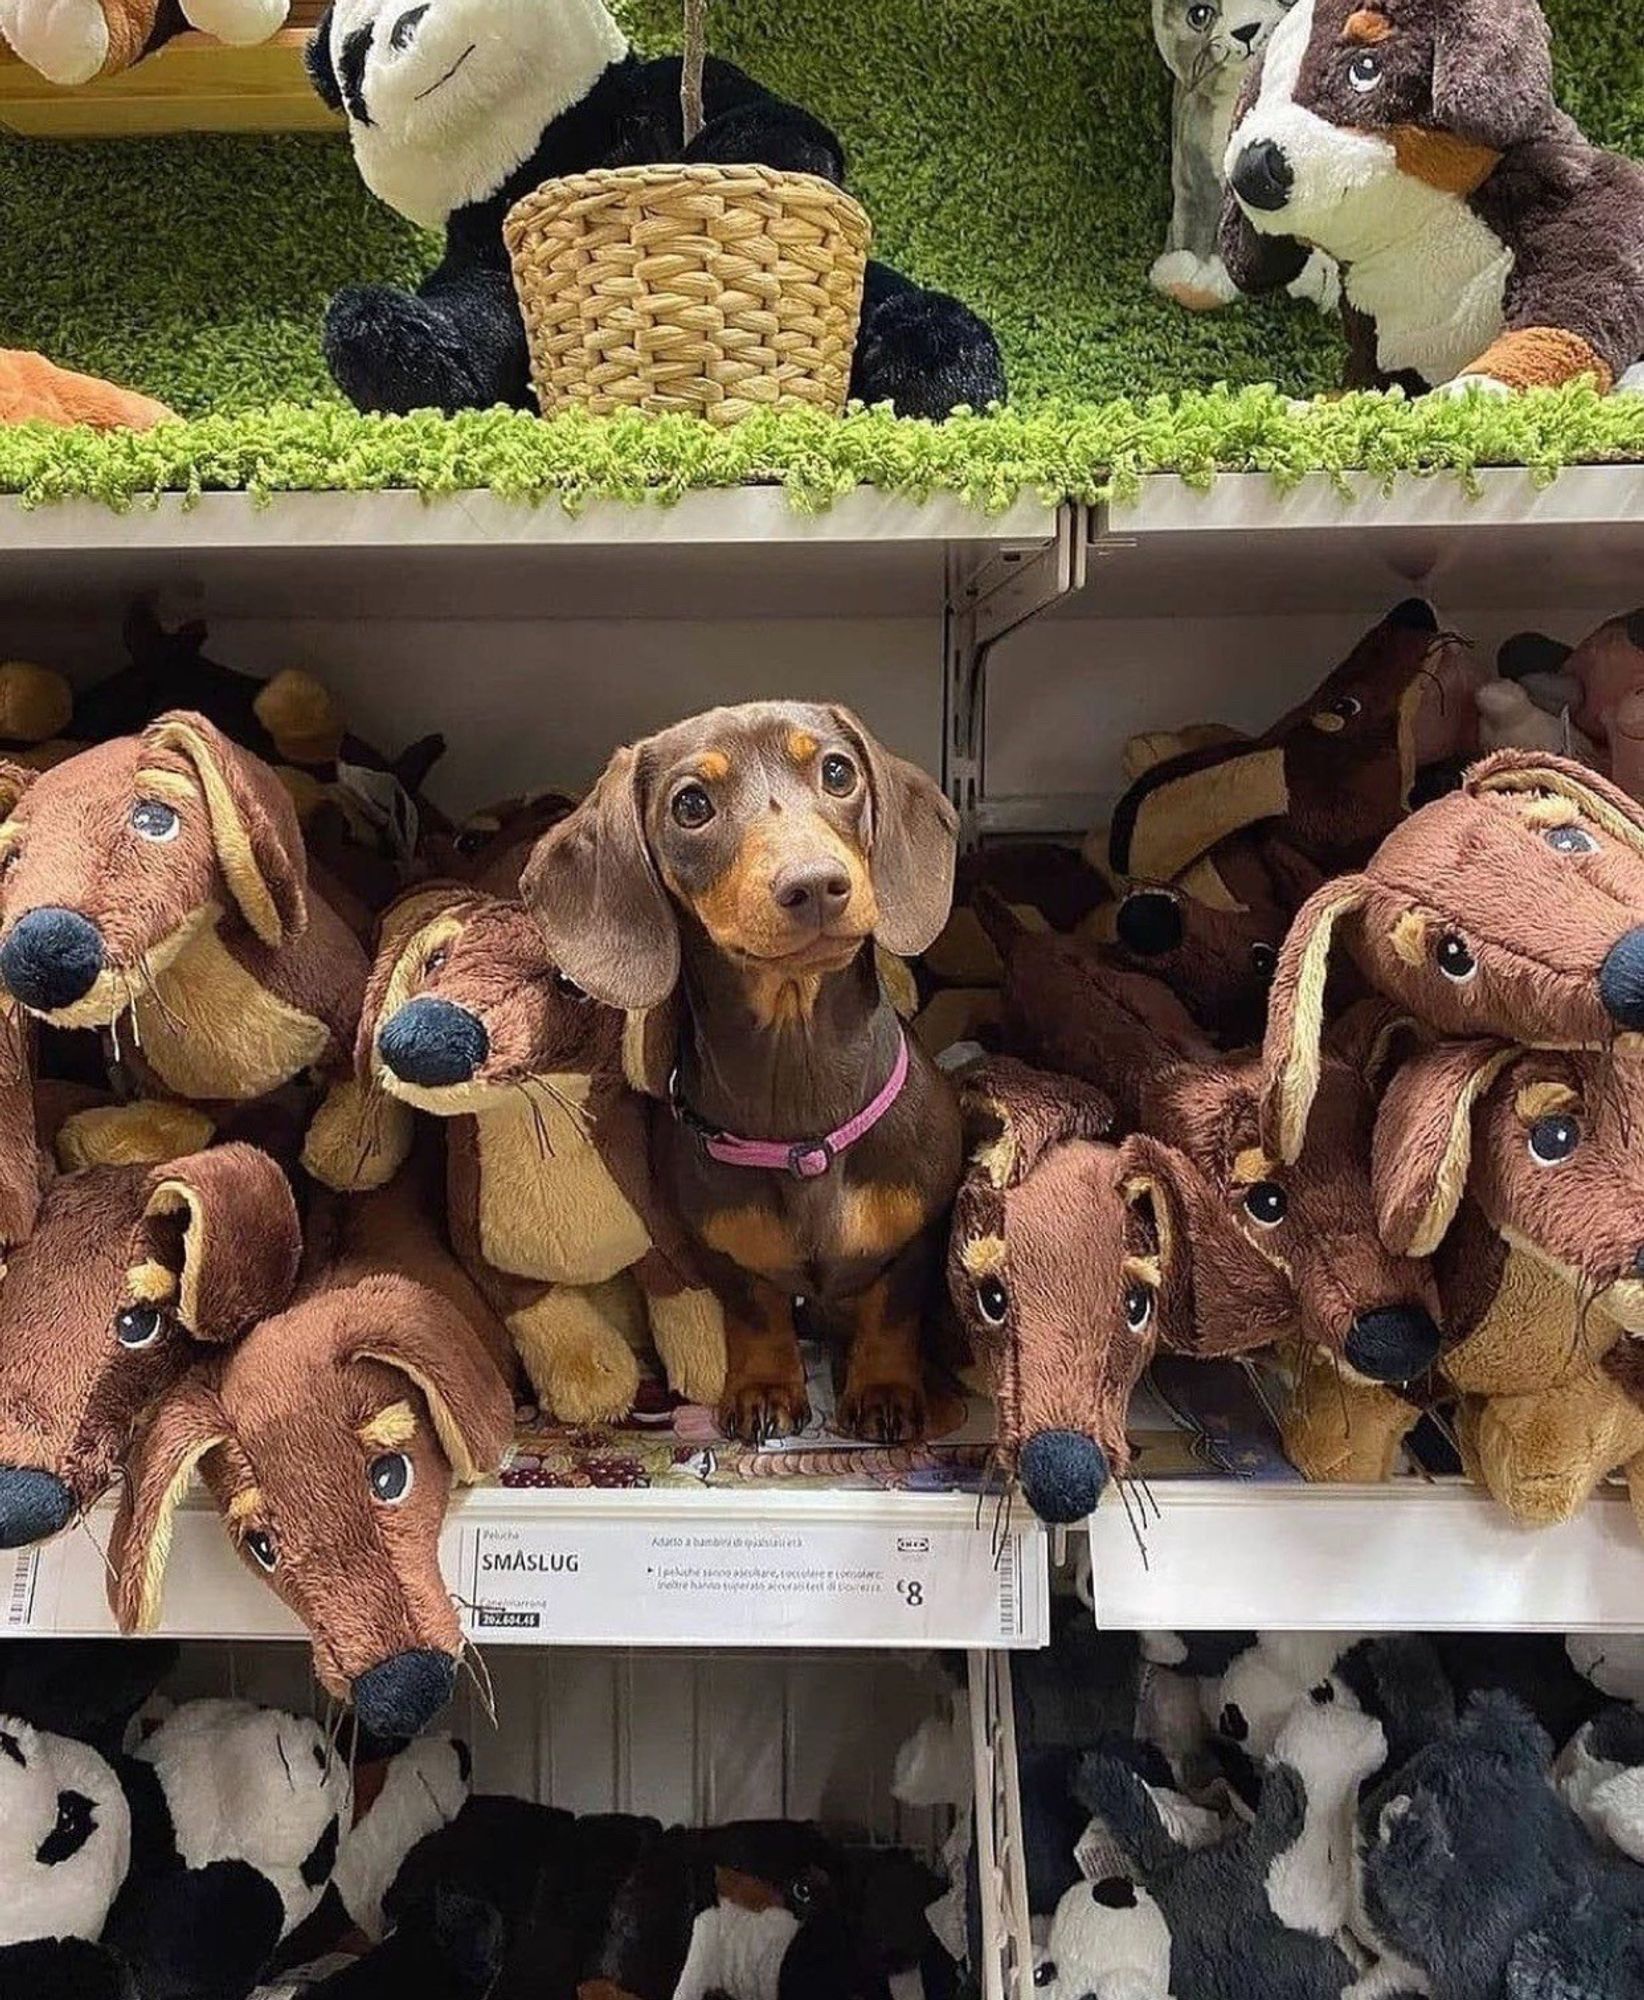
[[754, 1412], [391, 352], [1319, 282], [1201, 284], [592, 1386], [239, 23], [884, 1412]]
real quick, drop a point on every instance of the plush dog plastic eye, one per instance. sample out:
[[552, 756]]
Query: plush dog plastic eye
[[436, 960], [564, 983], [1553, 1139], [1138, 1307], [1455, 961], [993, 1301], [838, 776], [1570, 840], [692, 807], [1045, 1975], [471, 840], [1347, 707], [265, 1551], [1364, 71], [1266, 1203], [1264, 960], [392, 1477], [1199, 17], [152, 819], [137, 1327]]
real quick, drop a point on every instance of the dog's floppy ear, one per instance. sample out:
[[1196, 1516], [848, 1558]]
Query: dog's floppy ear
[[180, 1431], [1256, 262], [1295, 1015], [913, 842], [317, 61], [253, 824], [1620, 815], [595, 892], [410, 1327], [1492, 70], [15, 780], [1164, 1187], [1424, 1141], [1014, 1114], [218, 1243]]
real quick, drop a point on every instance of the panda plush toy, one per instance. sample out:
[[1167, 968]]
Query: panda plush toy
[[457, 108]]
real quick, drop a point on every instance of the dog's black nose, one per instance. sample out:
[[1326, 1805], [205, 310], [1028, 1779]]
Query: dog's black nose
[[812, 888], [1262, 176], [404, 1694], [1063, 1475], [1621, 981], [1248, 33], [33, 1505], [51, 959], [1149, 922], [433, 1042], [1394, 1343]]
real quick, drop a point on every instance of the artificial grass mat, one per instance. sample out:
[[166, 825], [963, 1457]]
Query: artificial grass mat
[[1013, 150]]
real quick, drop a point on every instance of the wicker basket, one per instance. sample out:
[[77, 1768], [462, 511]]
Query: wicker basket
[[706, 289]]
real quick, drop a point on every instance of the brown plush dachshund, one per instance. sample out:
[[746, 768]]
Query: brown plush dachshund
[[162, 878], [81, 1356], [1520, 1172], [1513, 908], [1277, 1249], [1061, 1275], [547, 1149], [743, 863], [329, 1439]]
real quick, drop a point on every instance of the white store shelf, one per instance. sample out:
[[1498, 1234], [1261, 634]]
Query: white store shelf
[[1403, 1557], [644, 1568]]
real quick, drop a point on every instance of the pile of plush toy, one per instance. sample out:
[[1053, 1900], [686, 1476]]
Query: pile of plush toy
[[1335, 1040], [1321, 1816], [152, 1852]]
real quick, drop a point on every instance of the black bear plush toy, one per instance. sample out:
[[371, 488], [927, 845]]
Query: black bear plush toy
[[457, 108]]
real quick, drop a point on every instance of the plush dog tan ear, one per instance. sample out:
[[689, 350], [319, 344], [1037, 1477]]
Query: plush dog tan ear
[[594, 890], [219, 1241], [911, 839], [1492, 71], [1423, 1147], [1013, 1115], [1295, 1015], [254, 827], [189, 1423]]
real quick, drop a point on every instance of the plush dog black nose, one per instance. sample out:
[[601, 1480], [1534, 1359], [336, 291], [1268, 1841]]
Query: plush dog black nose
[[1621, 981], [433, 1042], [1262, 176], [51, 959], [404, 1694], [816, 888], [1149, 922], [1063, 1474], [33, 1505], [1393, 1344]]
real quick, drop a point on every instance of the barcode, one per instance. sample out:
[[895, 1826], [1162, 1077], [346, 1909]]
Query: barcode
[[1008, 1628], [20, 1599]]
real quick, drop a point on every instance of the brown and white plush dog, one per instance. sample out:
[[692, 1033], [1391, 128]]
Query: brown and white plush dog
[[161, 881], [547, 1148], [329, 1439], [1481, 237]]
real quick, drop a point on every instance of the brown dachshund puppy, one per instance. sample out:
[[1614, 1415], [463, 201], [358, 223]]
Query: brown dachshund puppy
[[82, 1357], [1057, 1270], [547, 1148], [329, 1439], [742, 863], [1513, 908], [1520, 1173], [162, 879]]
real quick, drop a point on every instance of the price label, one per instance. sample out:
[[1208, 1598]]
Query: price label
[[814, 1583]]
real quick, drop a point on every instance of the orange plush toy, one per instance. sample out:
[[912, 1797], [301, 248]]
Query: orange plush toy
[[33, 389]]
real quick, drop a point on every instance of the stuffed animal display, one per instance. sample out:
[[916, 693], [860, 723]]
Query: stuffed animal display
[[455, 114], [1482, 239]]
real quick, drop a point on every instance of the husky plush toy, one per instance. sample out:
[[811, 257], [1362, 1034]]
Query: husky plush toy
[[456, 111]]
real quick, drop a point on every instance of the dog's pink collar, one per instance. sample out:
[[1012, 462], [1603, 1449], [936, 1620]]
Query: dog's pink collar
[[805, 1159]]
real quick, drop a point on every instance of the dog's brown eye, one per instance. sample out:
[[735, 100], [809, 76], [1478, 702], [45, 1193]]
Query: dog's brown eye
[[470, 840], [1570, 840], [838, 776], [1554, 1139], [265, 1550], [437, 959], [1266, 1203], [154, 820], [993, 1301], [1264, 960], [564, 983], [392, 1477], [1455, 961], [1364, 71], [1138, 1307], [1347, 707], [137, 1327], [692, 807]]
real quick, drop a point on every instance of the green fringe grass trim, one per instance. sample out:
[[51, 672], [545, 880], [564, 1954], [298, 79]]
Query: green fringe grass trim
[[1058, 451]]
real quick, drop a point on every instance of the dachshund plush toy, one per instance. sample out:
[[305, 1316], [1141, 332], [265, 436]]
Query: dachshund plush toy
[[547, 1148], [1481, 238], [159, 883]]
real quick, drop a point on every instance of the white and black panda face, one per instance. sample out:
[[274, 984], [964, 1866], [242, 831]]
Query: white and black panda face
[[1108, 1941], [446, 98], [65, 1836]]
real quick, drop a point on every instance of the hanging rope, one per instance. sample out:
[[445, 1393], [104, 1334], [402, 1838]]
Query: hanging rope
[[690, 81]]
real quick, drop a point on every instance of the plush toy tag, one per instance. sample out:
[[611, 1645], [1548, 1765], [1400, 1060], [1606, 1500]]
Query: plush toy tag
[[386, 804]]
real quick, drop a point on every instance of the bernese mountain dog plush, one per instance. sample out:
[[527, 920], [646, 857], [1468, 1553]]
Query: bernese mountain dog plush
[[457, 108], [1483, 240]]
